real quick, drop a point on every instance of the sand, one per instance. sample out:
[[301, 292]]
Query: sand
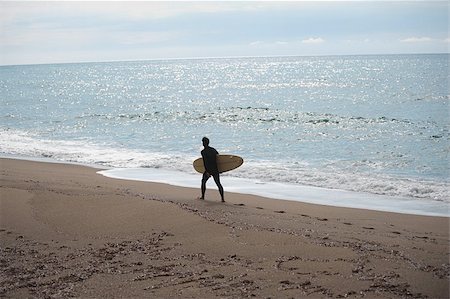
[[69, 232]]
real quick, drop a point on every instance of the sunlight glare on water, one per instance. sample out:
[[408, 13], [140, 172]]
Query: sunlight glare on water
[[376, 124]]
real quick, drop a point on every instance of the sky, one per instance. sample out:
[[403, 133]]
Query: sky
[[34, 32]]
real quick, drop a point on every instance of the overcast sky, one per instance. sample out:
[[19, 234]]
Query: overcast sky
[[48, 32]]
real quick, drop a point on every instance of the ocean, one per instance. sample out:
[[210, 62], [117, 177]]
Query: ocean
[[335, 127]]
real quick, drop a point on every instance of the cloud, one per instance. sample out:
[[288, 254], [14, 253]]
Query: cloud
[[270, 43], [11, 11], [148, 29], [43, 37], [140, 38], [313, 40], [255, 43], [416, 39]]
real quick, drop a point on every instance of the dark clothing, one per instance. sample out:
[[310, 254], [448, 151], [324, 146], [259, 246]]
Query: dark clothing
[[216, 177], [209, 155]]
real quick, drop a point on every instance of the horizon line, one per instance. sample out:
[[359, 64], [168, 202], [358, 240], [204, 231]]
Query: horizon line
[[220, 57]]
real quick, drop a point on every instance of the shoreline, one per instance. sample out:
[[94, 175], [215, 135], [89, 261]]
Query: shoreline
[[289, 192], [68, 231], [286, 191]]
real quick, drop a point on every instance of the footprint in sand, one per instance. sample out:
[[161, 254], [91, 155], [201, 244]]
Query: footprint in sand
[[322, 219], [239, 204], [280, 212], [367, 227]]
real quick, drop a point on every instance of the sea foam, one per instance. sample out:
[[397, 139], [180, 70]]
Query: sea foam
[[255, 172], [285, 191]]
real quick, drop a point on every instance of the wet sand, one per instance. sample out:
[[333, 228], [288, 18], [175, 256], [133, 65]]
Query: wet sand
[[69, 232]]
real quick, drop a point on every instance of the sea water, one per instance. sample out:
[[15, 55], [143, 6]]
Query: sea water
[[373, 125]]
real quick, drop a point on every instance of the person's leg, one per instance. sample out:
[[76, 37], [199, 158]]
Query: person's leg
[[204, 180], [219, 185]]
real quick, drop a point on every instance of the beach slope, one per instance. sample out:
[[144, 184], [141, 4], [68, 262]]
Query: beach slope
[[67, 231]]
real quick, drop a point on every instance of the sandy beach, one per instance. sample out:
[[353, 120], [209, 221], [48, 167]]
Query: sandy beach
[[67, 231]]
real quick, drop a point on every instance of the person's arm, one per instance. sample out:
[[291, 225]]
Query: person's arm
[[204, 160]]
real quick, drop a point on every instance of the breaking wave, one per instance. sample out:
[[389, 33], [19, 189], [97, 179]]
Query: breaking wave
[[15, 142]]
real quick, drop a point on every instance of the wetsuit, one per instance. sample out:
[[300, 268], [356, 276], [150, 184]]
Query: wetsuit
[[209, 155]]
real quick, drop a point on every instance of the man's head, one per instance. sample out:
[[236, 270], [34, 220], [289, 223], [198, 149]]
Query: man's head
[[205, 141]]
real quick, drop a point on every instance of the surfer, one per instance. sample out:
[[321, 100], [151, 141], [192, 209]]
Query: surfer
[[209, 155]]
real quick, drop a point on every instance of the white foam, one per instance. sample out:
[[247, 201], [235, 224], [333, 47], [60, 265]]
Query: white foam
[[286, 173], [334, 178], [25, 144], [284, 191]]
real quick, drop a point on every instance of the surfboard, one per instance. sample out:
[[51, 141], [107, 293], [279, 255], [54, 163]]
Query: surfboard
[[224, 163]]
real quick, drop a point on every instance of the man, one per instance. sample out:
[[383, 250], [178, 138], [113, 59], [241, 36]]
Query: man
[[209, 155]]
